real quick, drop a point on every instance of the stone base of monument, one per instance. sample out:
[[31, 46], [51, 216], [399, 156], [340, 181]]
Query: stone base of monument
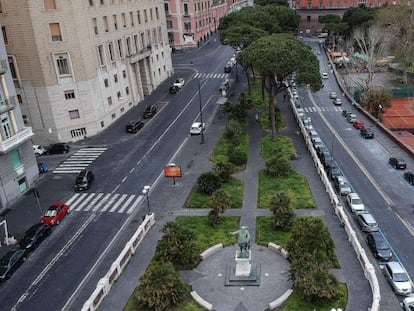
[[242, 273]]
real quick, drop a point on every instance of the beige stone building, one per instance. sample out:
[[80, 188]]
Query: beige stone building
[[79, 65]]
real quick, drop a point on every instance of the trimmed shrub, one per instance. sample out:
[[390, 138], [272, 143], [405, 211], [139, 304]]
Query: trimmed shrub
[[278, 166], [224, 169], [237, 157], [208, 182]]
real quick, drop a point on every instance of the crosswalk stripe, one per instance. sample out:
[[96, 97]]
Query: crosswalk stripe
[[122, 198], [90, 197], [79, 199], [69, 202], [137, 201], [80, 160], [93, 202], [66, 172], [101, 202], [109, 203], [125, 205]]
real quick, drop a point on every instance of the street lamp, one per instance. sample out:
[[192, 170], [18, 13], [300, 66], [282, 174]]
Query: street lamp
[[145, 192], [201, 113]]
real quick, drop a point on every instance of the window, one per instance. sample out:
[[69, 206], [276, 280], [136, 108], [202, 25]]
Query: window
[[7, 130], [139, 17], [127, 90], [102, 2], [111, 52], [131, 18], [113, 116], [115, 22], [115, 78], [15, 159], [166, 9], [136, 43], [50, 5], [123, 20], [20, 99], [185, 9], [120, 50], [95, 26], [90, 2], [81, 132], [105, 21], [157, 16], [24, 117], [109, 100], [74, 114], [187, 27], [169, 24], [6, 40], [308, 18], [152, 18], [101, 55], [124, 74], [122, 110], [145, 16], [106, 82], [55, 32], [102, 124], [118, 94], [63, 65], [70, 94], [22, 184], [128, 46]]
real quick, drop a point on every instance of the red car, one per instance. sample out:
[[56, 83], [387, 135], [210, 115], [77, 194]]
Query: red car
[[55, 213], [359, 125]]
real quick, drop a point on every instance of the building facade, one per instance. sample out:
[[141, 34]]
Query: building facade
[[79, 65], [191, 22], [310, 10], [18, 166]]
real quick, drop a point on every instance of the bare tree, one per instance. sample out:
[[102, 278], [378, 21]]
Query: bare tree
[[372, 42]]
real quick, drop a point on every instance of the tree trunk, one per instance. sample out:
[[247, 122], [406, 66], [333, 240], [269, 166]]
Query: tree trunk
[[272, 110], [263, 89], [249, 87]]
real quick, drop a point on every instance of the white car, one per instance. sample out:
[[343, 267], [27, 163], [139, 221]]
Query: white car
[[332, 95], [324, 75], [354, 202], [197, 128], [38, 150], [408, 303], [179, 83], [398, 278]]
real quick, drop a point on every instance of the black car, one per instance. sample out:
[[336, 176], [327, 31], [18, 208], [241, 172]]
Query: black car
[[224, 86], [149, 112], [320, 150], [228, 68], [379, 246], [10, 262], [58, 148], [397, 163], [84, 180], [409, 177], [367, 133], [34, 236], [174, 89], [134, 127], [334, 171]]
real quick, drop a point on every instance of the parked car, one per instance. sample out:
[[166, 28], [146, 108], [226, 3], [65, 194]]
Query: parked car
[[354, 202], [359, 125], [38, 150], [379, 246], [334, 171], [367, 133], [134, 126], [398, 278], [351, 118], [149, 112], [324, 75], [397, 163], [408, 303], [174, 89], [228, 68], [342, 185], [10, 262], [320, 150], [326, 159], [345, 112], [179, 83], [332, 95], [58, 148], [367, 222], [197, 128], [34, 236], [55, 213], [409, 177], [337, 102], [224, 86], [84, 180]]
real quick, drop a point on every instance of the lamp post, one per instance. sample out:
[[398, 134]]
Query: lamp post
[[201, 113], [145, 192]]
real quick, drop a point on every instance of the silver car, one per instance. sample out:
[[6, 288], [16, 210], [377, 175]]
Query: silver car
[[398, 278], [367, 222]]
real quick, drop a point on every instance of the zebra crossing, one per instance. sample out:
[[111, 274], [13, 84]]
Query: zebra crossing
[[104, 202], [322, 109], [212, 75], [80, 160]]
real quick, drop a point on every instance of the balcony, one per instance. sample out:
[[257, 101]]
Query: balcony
[[24, 135], [139, 55], [3, 66], [8, 104]]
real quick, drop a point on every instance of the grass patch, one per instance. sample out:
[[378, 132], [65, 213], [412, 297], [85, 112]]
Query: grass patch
[[282, 145], [234, 187], [295, 185], [207, 235], [265, 233], [223, 146], [296, 303]]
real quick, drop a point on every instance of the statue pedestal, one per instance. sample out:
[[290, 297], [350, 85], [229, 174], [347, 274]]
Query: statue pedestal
[[243, 266]]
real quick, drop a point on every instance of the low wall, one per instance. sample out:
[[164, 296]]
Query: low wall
[[104, 284], [368, 268]]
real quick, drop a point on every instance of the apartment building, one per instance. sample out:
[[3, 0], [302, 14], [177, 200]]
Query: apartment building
[[18, 166], [310, 10], [79, 65], [191, 22]]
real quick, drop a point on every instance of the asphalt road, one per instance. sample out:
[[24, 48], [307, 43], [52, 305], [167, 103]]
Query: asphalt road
[[64, 270]]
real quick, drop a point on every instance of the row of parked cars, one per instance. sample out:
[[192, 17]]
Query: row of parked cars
[[393, 271], [33, 237]]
